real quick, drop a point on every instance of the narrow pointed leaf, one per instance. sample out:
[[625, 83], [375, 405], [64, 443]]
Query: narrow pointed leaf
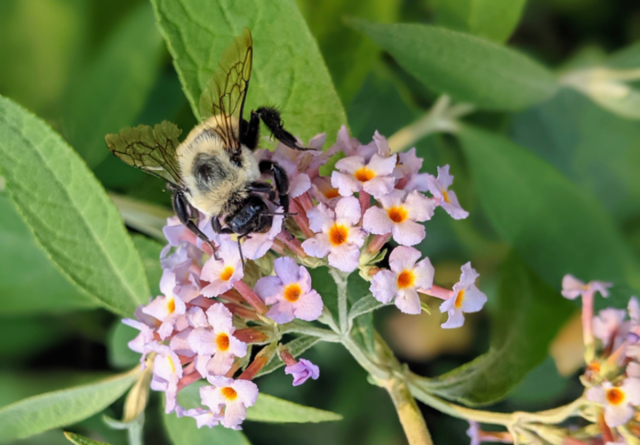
[[272, 409], [77, 439], [68, 211]]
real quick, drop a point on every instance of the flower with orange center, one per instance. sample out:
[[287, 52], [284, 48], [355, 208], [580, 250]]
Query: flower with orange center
[[466, 297], [447, 199], [222, 273], [289, 293], [168, 308], [354, 174], [618, 401], [400, 214], [402, 281], [167, 371], [231, 397], [338, 235], [213, 340]]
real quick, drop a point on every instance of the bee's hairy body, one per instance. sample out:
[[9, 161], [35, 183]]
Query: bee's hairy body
[[217, 184]]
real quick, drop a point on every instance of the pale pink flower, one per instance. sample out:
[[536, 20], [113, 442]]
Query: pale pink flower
[[203, 417], [447, 199], [407, 172], [618, 401], [608, 323], [301, 371], [323, 191], [572, 288], [233, 397], [289, 293], [257, 245], [474, 432], [168, 308], [403, 280], [399, 215], [146, 324], [634, 311], [352, 147], [216, 346], [466, 298], [167, 371], [633, 370], [222, 273], [355, 174], [337, 234]]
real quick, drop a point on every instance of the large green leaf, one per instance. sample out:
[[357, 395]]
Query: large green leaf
[[25, 271], [69, 213], [288, 70], [465, 67], [554, 226], [349, 55], [149, 251], [592, 147], [51, 410], [529, 314], [115, 87], [492, 19]]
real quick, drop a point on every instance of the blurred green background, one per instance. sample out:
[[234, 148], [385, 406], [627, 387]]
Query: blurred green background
[[90, 67]]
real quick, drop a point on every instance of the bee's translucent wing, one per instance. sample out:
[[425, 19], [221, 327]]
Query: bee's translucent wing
[[224, 96], [150, 149]]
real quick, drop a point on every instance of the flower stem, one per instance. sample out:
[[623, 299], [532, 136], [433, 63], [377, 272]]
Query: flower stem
[[410, 416], [341, 279]]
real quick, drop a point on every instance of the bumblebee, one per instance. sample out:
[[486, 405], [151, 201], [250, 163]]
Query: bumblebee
[[213, 170]]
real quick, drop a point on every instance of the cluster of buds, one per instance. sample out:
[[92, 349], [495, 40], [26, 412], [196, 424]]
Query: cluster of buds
[[214, 313]]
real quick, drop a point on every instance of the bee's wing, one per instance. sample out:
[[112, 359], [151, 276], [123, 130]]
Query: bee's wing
[[150, 149], [226, 91]]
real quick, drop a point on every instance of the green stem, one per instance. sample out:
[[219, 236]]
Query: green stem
[[409, 413], [341, 279], [308, 329]]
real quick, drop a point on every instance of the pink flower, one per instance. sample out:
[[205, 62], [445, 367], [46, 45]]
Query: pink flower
[[323, 191], [618, 401], [355, 174], [439, 188], [352, 147], [217, 341], [204, 417], [147, 327], [167, 370], [167, 308], [634, 311], [257, 245], [633, 370], [403, 280], [572, 287], [407, 172], [222, 273], [231, 396], [608, 323], [466, 298], [301, 371], [289, 293], [398, 216], [338, 235], [474, 432]]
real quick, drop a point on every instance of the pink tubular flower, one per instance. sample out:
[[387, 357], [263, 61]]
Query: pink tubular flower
[[167, 308], [439, 188], [147, 327], [301, 371], [218, 342], [222, 273], [474, 432], [167, 370], [257, 245], [337, 234], [323, 191], [403, 279], [608, 324], [618, 401], [203, 417], [407, 172], [231, 396], [398, 216], [355, 174], [572, 288], [289, 293], [466, 298]]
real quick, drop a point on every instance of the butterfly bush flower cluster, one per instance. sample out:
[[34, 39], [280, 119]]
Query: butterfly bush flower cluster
[[220, 322]]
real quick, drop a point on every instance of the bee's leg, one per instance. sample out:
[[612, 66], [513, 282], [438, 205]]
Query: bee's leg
[[185, 213], [263, 187], [280, 179], [215, 223], [250, 132], [273, 121]]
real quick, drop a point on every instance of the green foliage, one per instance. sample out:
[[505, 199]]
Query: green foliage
[[51, 410], [502, 79], [529, 314], [288, 70], [554, 226], [296, 347], [491, 19], [116, 85], [183, 431], [149, 251], [68, 212], [120, 356], [272, 409], [77, 439]]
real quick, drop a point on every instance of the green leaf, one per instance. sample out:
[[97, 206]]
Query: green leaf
[[296, 347], [491, 19], [528, 317], [465, 67], [25, 271], [119, 354], [149, 251], [81, 440], [288, 70], [342, 46], [59, 408], [554, 226], [115, 87], [272, 409], [365, 305], [362, 330], [69, 213]]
